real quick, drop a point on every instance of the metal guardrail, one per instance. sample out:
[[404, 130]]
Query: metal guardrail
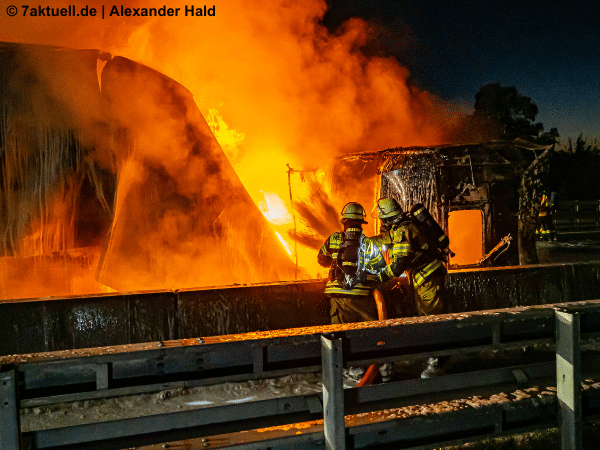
[[46, 378], [577, 216]]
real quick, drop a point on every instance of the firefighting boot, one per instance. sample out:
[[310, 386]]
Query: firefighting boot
[[387, 372], [352, 376], [433, 369]]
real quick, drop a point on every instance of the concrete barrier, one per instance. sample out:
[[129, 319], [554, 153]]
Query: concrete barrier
[[50, 324]]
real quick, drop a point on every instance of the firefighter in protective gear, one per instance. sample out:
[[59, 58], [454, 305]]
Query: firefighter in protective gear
[[412, 251], [350, 255], [545, 219], [352, 258]]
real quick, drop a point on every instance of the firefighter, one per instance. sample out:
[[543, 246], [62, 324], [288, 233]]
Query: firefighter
[[351, 256], [545, 219], [412, 251], [350, 285]]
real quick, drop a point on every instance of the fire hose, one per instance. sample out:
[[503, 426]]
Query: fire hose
[[373, 369]]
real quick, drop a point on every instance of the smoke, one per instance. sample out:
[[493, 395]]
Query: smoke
[[273, 72], [289, 85], [277, 88]]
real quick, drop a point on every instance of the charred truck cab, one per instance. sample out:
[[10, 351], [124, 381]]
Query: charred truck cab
[[471, 190]]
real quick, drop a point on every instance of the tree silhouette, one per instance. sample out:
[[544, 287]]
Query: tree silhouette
[[513, 112], [550, 137], [501, 112]]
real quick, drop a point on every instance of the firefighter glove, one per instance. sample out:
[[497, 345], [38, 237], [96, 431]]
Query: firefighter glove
[[383, 276]]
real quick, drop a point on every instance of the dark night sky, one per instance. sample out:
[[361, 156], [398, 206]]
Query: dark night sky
[[550, 51]]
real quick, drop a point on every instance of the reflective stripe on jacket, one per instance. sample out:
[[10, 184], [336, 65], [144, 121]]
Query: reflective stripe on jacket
[[422, 275], [407, 243], [544, 206]]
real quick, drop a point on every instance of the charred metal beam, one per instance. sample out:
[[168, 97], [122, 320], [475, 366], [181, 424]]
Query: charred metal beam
[[368, 432]]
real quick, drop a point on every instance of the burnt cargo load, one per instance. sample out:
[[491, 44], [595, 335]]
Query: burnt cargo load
[[111, 179]]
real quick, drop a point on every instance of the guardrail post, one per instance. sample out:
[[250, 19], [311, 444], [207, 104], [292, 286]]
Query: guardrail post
[[9, 412], [102, 376], [568, 379], [333, 393]]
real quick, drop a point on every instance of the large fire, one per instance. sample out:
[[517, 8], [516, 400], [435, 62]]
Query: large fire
[[277, 90]]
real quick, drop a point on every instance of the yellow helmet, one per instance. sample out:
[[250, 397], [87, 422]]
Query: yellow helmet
[[354, 211], [388, 207]]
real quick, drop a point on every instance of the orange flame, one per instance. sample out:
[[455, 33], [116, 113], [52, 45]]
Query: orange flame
[[275, 87], [274, 209]]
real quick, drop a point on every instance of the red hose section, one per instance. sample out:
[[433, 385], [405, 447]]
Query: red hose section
[[380, 302], [373, 369]]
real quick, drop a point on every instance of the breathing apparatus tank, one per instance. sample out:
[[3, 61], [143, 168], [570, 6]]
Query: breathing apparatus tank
[[553, 200], [430, 227], [348, 251], [349, 269]]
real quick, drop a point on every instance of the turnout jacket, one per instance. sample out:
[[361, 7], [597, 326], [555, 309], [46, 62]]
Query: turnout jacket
[[410, 250], [544, 206], [370, 259]]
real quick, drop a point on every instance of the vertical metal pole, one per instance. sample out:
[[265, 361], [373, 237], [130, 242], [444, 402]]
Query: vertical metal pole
[[568, 379], [289, 172], [9, 412], [333, 393]]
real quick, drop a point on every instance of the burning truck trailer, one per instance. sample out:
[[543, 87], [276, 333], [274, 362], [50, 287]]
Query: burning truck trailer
[[111, 180], [473, 191]]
